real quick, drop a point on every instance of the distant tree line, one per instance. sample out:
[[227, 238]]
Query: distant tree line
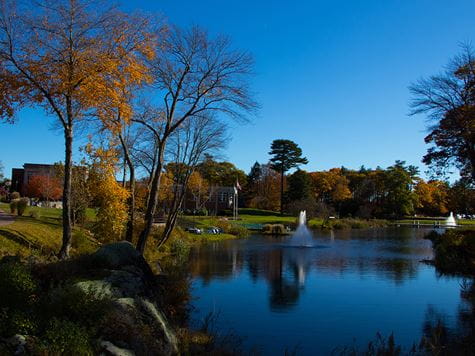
[[394, 192]]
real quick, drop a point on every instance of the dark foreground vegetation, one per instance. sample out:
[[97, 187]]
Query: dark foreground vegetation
[[454, 251], [107, 302]]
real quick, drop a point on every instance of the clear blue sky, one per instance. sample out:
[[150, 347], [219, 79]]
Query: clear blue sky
[[330, 75]]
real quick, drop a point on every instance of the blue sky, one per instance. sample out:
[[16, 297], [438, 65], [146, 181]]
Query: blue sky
[[331, 75]]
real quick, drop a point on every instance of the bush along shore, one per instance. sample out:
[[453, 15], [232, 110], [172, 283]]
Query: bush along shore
[[454, 252]]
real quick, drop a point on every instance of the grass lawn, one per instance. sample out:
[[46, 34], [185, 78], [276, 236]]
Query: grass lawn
[[38, 232], [245, 220]]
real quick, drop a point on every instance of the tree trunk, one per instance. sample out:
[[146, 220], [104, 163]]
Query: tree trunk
[[172, 218], [472, 163], [129, 233], [124, 171], [152, 201], [68, 165], [282, 192]]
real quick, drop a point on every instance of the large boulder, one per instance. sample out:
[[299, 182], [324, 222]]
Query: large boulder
[[136, 321], [118, 254]]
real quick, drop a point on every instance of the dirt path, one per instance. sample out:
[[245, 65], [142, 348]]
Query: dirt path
[[6, 219]]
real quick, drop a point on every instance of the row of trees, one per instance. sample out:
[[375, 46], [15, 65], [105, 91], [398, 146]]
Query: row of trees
[[385, 193], [152, 91]]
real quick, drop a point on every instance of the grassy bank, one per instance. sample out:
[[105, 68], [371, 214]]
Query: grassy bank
[[38, 232]]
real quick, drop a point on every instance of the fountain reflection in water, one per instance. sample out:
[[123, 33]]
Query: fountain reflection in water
[[302, 236]]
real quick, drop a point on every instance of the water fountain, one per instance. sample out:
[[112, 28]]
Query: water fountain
[[302, 236], [450, 221]]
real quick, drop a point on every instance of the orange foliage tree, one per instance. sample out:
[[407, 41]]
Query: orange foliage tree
[[44, 187], [268, 190], [60, 56], [431, 197], [331, 186]]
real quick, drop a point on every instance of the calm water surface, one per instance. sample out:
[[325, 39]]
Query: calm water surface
[[343, 291]]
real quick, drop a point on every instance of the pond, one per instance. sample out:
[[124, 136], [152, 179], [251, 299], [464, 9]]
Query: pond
[[339, 292]]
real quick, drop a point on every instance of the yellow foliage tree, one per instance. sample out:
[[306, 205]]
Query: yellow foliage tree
[[108, 195], [61, 57], [331, 185], [431, 197], [199, 189]]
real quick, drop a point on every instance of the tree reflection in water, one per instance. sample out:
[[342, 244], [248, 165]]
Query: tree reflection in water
[[442, 337], [390, 256], [351, 285]]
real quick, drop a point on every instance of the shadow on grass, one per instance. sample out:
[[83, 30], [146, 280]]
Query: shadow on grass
[[22, 240]]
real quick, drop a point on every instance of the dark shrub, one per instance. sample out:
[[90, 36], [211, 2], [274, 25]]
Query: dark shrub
[[454, 251], [13, 206], [201, 212], [22, 204], [238, 230], [17, 285], [71, 302], [278, 229], [66, 338], [267, 228], [21, 322], [14, 196]]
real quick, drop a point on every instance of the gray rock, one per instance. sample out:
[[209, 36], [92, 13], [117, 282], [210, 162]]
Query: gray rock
[[99, 288], [117, 254], [123, 276], [161, 323], [110, 349]]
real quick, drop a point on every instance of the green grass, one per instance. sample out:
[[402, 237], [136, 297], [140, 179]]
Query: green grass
[[38, 232], [206, 221], [194, 238]]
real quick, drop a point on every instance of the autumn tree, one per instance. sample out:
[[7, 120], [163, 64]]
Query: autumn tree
[[108, 196], [115, 108], [286, 155], [331, 187], [199, 190], [59, 57], [44, 187], [267, 189], [193, 74], [448, 99], [431, 198]]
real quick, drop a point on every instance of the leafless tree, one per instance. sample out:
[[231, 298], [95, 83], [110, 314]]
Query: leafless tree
[[448, 100], [187, 147], [194, 76]]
